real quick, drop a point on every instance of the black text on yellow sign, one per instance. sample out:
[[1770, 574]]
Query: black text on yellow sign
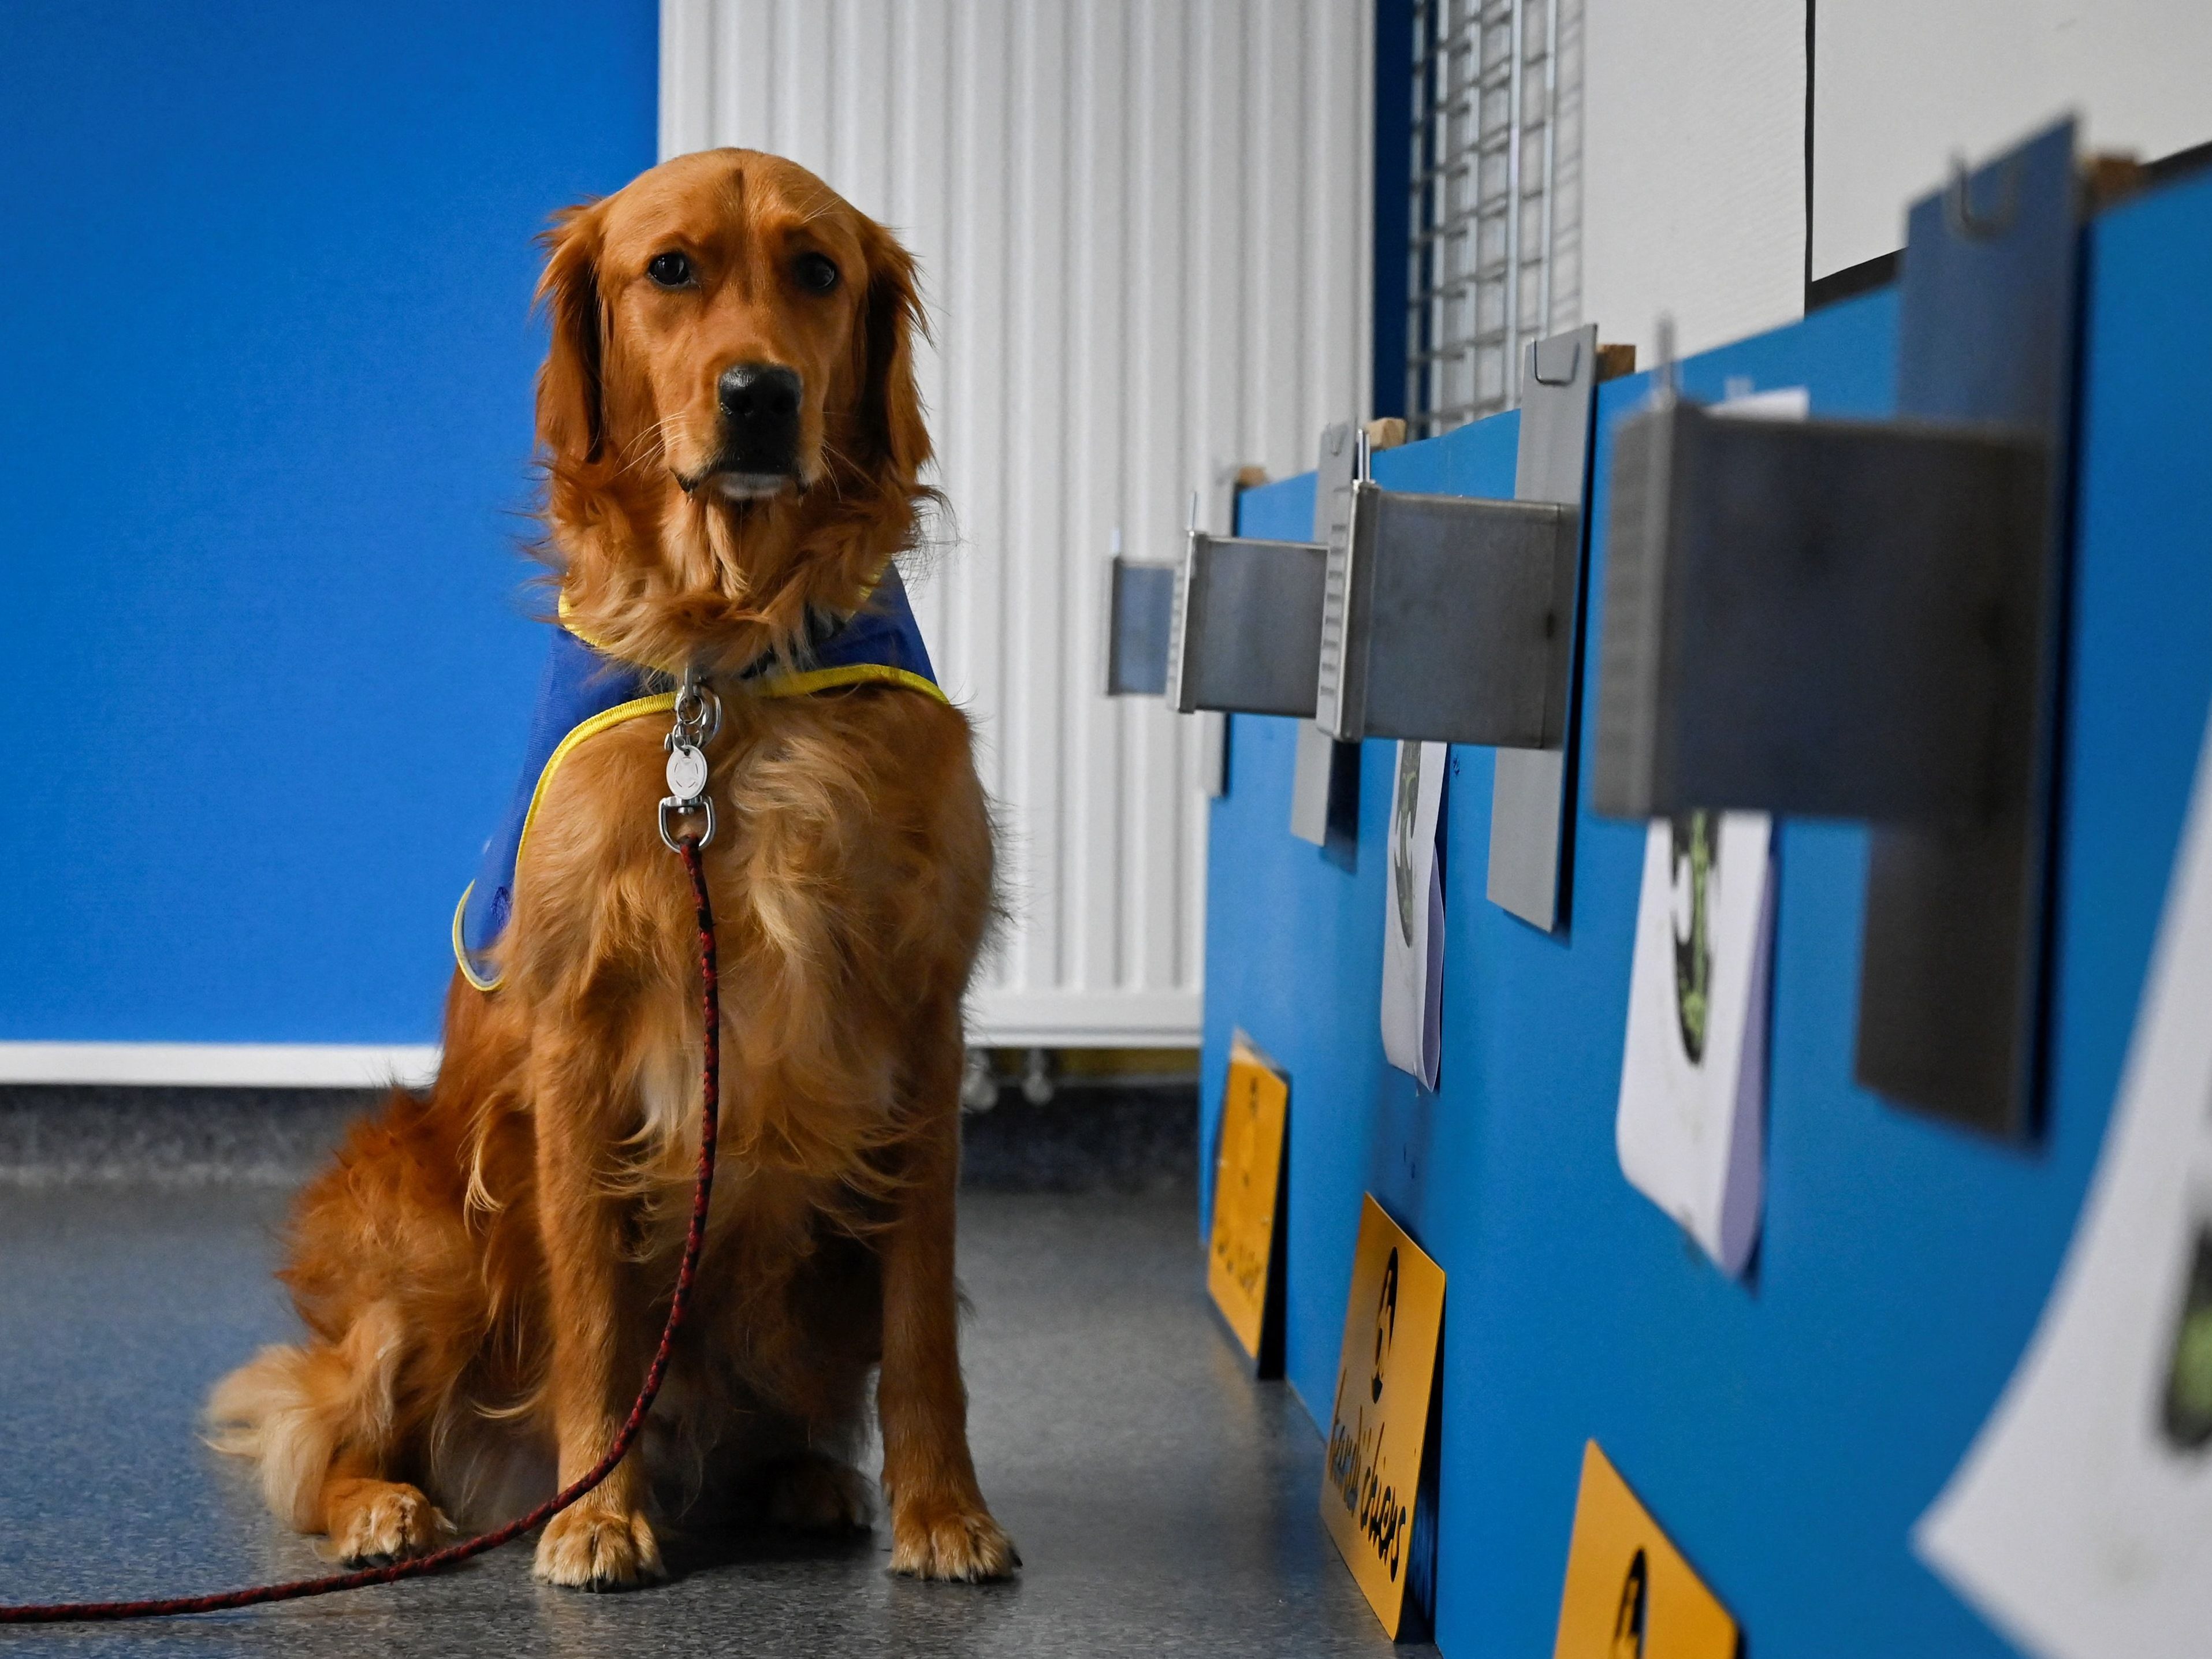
[[1629, 1593], [1379, 1421], [1248, 1178]]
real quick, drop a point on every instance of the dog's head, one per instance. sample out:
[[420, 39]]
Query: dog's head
[[728, 415]]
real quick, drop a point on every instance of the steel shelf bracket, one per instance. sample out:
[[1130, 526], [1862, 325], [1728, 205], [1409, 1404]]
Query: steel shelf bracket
[[1862, 620], [1452, 619]]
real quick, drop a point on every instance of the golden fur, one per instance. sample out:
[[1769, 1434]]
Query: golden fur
[[483, 1271]]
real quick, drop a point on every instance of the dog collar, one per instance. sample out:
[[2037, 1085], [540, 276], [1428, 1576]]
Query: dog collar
[[584, 690]]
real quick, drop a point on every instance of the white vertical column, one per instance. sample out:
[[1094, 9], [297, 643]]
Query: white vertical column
[[1144, 228]]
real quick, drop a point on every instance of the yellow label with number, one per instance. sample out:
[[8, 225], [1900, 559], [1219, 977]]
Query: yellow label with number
[[1630, 1595], [1376, 1427], [1253, 1109]]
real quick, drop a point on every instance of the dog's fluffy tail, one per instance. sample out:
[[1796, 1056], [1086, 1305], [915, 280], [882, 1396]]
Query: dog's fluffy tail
[[292, 1411]]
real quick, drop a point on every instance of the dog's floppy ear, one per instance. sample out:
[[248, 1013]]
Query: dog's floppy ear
[[892, 428], [571, 394]]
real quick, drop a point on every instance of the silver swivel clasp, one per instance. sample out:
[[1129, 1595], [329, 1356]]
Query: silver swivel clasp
[[698, 717]]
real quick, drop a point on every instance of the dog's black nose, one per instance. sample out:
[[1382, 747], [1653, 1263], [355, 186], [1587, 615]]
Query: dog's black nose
[[760, 416]]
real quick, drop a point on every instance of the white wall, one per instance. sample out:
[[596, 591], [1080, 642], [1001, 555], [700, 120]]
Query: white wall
[[1144, 225], [1694, 168], [1900, 84]]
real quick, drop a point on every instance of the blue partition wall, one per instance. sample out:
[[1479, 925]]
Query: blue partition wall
[[266, 364], [1789, 1429]]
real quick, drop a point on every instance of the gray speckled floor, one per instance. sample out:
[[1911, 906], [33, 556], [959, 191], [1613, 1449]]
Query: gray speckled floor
[[1162, 1500]]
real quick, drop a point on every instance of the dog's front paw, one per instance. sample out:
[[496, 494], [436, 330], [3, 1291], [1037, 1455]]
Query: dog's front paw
[[948, 1538], [371, 1522], [819, 1494], [596, 1548]]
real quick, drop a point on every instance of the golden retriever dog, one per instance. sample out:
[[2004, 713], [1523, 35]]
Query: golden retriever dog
[[484, 1271]]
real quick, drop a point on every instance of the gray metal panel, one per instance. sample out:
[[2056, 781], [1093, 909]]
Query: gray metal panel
[[1842, 611], [1461, 604], [1326, 776], [1310, 780], [1140, 616], [1346, 615], [1338, 702], [1951, 980], [1632, 650], [1859, 619], [1528, 802], [1251, 625]]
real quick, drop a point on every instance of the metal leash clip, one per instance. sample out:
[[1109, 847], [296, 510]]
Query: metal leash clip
[[698, 718]]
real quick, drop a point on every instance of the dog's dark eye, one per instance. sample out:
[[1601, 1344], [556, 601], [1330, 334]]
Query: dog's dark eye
[[670, 270], [816, 271]]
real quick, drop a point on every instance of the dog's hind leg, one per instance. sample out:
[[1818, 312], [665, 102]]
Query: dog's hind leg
[[319, 1423], [815, 1493]]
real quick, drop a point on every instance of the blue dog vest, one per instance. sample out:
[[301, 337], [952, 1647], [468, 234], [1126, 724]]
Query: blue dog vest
[[584, 691]]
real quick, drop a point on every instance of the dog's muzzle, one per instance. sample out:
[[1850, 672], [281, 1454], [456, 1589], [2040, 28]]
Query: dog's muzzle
[[760, 429]]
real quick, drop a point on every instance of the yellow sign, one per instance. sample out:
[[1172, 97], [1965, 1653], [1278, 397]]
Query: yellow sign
[[1630, 1594], [1253, 1109], [1375, 1428]]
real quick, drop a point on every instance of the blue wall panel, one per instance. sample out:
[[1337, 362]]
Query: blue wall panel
[[1787, 1430], [265, 360]]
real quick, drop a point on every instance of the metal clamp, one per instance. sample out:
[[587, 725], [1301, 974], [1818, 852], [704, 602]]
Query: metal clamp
[[1453, 619], [1140, 618], [1858, 619], [1245, 633]]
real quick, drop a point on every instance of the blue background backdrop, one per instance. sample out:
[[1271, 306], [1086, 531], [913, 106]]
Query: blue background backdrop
[[1787, 1430], [265, 362]]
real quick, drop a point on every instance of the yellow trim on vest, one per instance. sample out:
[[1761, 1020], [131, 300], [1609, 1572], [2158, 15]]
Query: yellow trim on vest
[[808, 681], [779, 685], [567, 613], [660, 703]]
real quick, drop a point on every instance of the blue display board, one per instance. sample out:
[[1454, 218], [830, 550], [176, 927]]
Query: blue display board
[[265, 366], [1789, 1429]]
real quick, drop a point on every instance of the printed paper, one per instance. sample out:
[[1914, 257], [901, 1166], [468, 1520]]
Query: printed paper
[[1690, 1130], [1413, 915], [2080, 1521]]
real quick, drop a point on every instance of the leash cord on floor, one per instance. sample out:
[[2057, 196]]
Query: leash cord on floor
[[69, 1612]]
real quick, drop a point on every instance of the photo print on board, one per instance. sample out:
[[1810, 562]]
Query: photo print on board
[[1413, 913], [1690, 1130], [2080, 1522]]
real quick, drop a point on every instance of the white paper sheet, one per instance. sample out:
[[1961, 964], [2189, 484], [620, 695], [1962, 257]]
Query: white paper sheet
[[2080, 1521], [1691, 1129], [1413, 915]]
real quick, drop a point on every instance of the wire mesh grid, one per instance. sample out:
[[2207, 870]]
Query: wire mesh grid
[[1483, 166]]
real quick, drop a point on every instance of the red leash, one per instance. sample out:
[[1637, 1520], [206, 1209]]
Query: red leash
[[70, 1613]]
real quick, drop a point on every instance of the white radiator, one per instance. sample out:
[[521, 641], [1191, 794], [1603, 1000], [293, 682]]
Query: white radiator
[[1145, 229]]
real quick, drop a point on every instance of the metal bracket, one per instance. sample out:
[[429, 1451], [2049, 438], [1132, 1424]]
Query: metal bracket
[[1246, 618], [1531, 799], [1325, 782], [1859, 619], [1140, 614], [1437, 622], [1451, 619], [1247, 622]]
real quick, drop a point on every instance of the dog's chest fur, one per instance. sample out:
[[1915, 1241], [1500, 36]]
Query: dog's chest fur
[[851, 882]]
